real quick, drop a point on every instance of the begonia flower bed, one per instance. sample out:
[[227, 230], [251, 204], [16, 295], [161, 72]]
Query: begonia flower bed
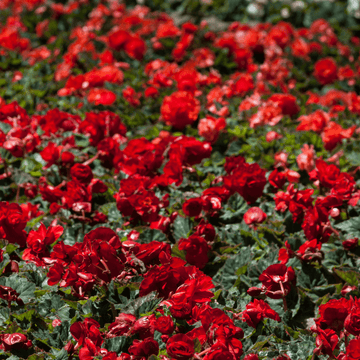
[[172, 192]]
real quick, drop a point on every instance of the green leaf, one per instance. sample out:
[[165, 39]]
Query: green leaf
[[82, 140], [271, 235], [36, 276], [259, 344], [351, 277], [58, 338], [351, 227], [353, 158], [30, 165], [235, 147], [4, 315], [302, 349], [5, 127], [182, 227], [197, 345], [145, 304], [250, 237], [241, 270], [227, 276], [10, 248], [53, 304], [117, 344], [62, 355], [231, 232], [31, 224], [238, 207], [20, 176], [28, 315], [149, 235], [40, 293], [21, 285], [178, 253], [310, 277], [114, 293], [36, 357], [105, 209]]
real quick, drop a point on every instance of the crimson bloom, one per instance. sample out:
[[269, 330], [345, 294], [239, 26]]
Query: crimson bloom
[[118, 39], [333, 134], [210, 128], [350, 244], [258, 310], [55, 273], [206, 230], [277, 280], [135, 47], [180, 109], [306, 160], [325, 71], [165, 325], [193, 207], [254, 216], [196, 249], [353, 350], [244, 84], [121, 326], [326, 342], [251, 357], [327, 174], [81, 173], [38, 242], [101, 97], [144, 348], [248, 180], [272, 135], [333, 314], [277, 179], [9, 294], [286, 102], [12, 223], [165, 279], [14, 341], [310, 251], [131, 96], [144, 204], [315, 121], [189, 150], [180, 347], [149, 253], [344, 186], [218, 352], [88, 329], [144, 327], [151, 92], [51, 154], [352, 321]]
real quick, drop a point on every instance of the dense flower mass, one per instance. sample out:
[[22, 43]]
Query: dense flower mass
[[325, 71], [171, 191], [180, 109]]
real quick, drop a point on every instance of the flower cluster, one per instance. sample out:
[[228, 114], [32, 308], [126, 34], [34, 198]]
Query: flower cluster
[[173, 192]]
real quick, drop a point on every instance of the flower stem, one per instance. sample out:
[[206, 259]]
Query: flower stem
[[198, 356], [88, 162], [284, 296]]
